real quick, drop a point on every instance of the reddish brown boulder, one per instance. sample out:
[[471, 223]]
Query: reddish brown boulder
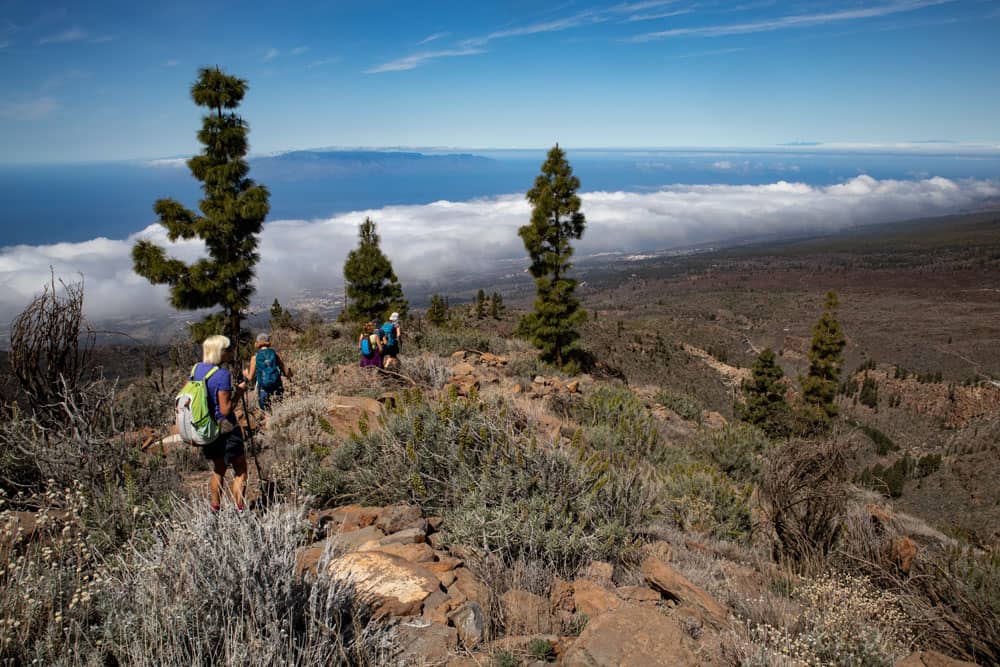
[[429, 644], [591, 599], [633, 636], [561, 595], [599, 571], [932, 659], [903, 549], [399, 585], [397, 517], [671, 584], [638, 594]]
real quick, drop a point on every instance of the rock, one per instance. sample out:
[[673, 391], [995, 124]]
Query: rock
[[561, 595], [712, 420], [471, 587], [463, 369], [599, 571], [633, 636], [434, 524], [902, 550], [444, 563], [425, 645], [638, 594], [517, 389], [539, 380], [354, 517], [436, 607], [358, 540], [673, 585], [389, 399], [459, 355], [400, 587], [446, 578], [397, 517], [590, 599], [660, 549], [307, 558], [573, 386], [407, 536], [468, 620], [415, 553], [436, 540], [526, 613], [932, 659], [344, 412]]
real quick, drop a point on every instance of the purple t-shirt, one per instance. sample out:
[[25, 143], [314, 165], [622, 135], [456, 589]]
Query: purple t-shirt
[[221, 380]]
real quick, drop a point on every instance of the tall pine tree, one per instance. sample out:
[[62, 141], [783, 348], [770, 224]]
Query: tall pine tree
[[764, 393], [826, 358], [437, 314], [373, 291], [555, 221], [232, 214]]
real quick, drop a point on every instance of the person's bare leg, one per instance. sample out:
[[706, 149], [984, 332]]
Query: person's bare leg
[[215, 487], [239, 480]]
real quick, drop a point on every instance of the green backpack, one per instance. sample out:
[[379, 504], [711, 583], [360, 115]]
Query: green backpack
[[195, 419]]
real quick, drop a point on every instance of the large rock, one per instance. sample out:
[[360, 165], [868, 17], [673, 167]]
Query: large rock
[[932, 659], [526, 613], [426, 644], [591, 599], [415, 553], [397, 517], [671, 584], [633, 636], [357, 540], [399, 586], [468, 620], [344, 413]]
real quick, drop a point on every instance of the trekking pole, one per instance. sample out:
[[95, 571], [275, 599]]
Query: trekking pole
[[249, 434]]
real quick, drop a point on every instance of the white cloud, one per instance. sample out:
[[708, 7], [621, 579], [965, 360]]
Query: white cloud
[[418, 59], [171, 162], [70, 35], [172, 63], [299, 50], [435, 36], [271, 54], [426, 242], [786, 22], [656, 15], [32, 109]]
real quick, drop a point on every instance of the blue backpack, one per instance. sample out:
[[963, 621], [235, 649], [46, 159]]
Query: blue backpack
[[389, 334], [366, 348], [268, 371]]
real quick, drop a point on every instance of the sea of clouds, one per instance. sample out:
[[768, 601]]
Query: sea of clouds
[[427, 242]]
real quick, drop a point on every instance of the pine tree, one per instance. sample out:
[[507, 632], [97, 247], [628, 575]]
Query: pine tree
[[437, 314], [555, 221], [764, 393], [280, 318], [373, 290], [826, 358], [232, 214], [480, 304], [496, 306]]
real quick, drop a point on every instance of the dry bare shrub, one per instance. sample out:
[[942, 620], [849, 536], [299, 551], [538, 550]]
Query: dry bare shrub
[[500, 574], [223, 589], [804, 496], [48, 355], [427, 370]]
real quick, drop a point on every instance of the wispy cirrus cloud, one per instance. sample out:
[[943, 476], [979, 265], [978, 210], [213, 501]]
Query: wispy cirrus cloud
[[325, 61], [417, 59], [657, 15], [271, 54], [433, 38], [172, 63], [299, 50], [73, 34], [28, 109], [790, 22], [713, 52]]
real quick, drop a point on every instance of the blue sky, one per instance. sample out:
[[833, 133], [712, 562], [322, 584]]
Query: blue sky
[[109, 80]]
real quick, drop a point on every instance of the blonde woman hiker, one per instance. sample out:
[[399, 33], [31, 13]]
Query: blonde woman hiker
[[266, 371], [227, 450]]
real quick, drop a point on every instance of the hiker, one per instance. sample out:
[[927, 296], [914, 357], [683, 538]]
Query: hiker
[[370, 346], [266, 370], [228, 448], [390, 340]]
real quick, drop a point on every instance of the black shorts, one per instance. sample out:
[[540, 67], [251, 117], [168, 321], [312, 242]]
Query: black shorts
[[228, 447]]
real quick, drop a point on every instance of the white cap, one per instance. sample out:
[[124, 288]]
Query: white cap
[[394, 317]]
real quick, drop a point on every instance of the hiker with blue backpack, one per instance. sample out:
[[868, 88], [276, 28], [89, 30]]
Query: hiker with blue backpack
[[370, 346], [390, 339], [266, 370], [206, 418]]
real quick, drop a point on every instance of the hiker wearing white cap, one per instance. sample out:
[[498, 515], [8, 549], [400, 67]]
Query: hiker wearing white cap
[[266, 369], [390, 338]]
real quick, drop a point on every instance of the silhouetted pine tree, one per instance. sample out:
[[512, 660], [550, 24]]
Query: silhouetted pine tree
[[826, 358], [764, 393], [480, 304], [555, 221], [373, 291], [496, 306], [232, 213], [280, 318]]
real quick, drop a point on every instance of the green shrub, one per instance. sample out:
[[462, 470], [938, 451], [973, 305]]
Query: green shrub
[[928, 464], [888, 480], [477, 465], [542, 649], [737, 449], [504, 658], [685, 406], [703, 499], [615, 422], [883, 443]]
